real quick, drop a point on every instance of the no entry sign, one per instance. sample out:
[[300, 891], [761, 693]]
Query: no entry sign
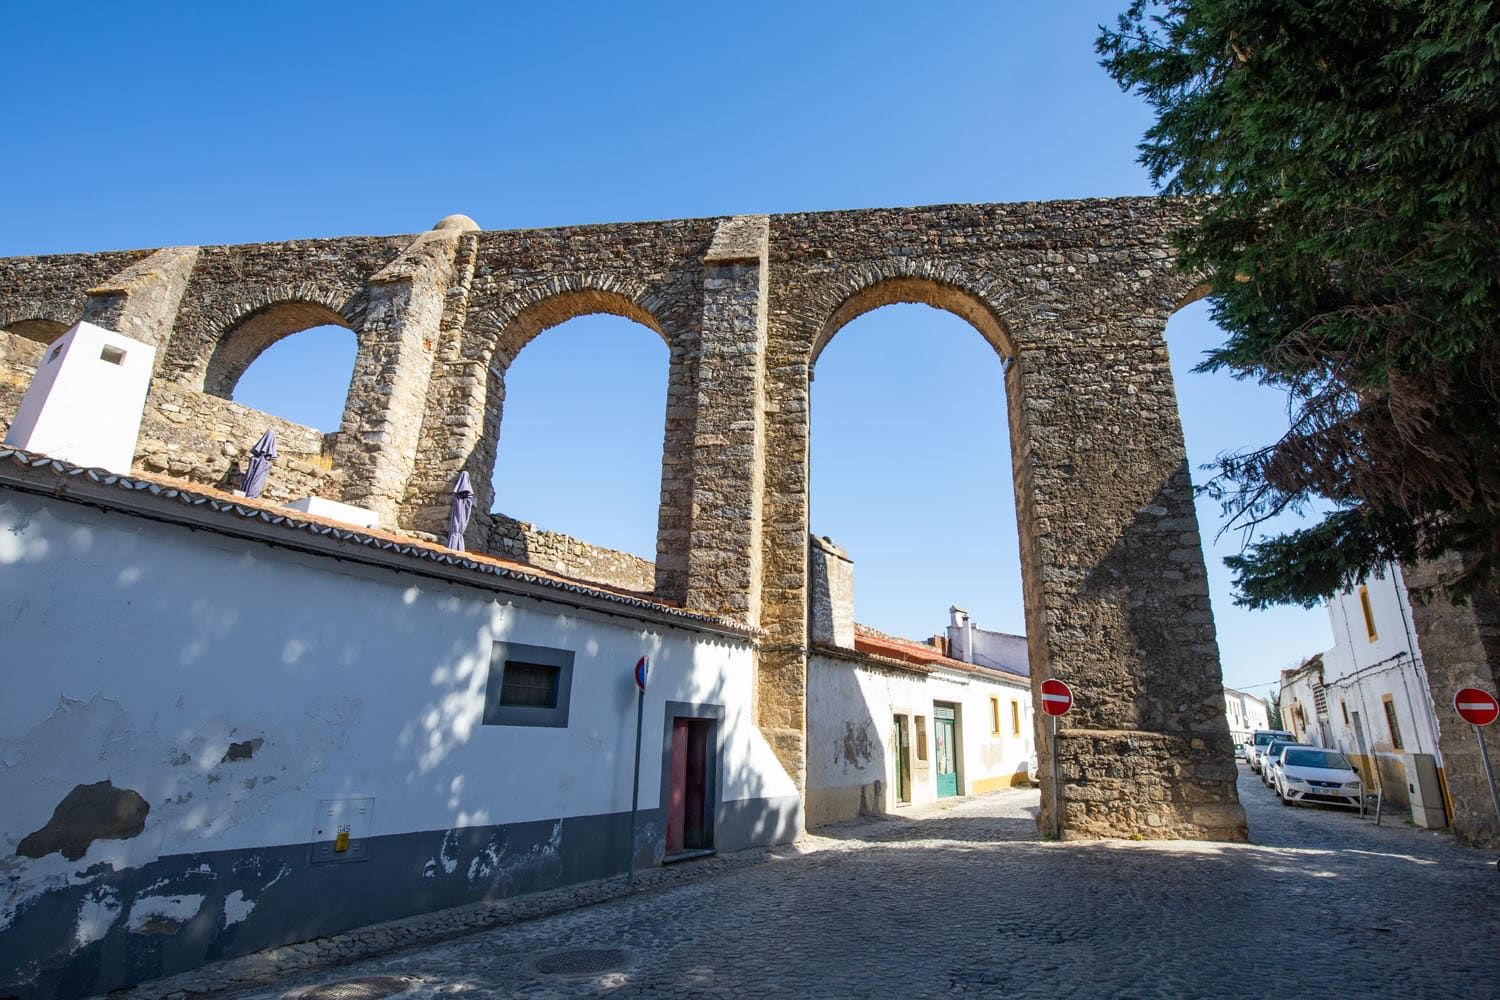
[[1476, 707], [1057, 697]]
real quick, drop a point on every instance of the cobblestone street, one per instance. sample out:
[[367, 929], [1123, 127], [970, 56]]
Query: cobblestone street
[[965, 900]]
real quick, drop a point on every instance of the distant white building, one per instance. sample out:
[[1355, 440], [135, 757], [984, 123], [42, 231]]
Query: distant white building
[[1369, 695], [1245, 714]]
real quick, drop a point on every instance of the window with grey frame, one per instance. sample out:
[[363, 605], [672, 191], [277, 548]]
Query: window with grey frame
[[528, 686]]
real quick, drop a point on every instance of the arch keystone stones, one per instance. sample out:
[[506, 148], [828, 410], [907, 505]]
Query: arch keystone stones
[[1074, 294]]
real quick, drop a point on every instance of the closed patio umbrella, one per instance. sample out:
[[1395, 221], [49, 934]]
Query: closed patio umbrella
[[458, 514], [259, 466]]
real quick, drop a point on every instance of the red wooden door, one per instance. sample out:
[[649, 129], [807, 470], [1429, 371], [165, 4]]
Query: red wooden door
[[695, 792], [677, 786]]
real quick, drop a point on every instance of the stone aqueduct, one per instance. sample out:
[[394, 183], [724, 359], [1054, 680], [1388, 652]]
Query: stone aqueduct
[[1074, 295]]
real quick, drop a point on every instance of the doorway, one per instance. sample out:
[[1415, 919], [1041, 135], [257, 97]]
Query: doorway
[[690, 795], [945, 750], [901, 757]]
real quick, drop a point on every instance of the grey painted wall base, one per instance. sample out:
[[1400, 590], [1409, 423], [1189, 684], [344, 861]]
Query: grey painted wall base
[[275, 896]]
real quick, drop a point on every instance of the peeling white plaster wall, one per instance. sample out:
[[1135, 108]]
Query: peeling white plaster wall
[[146, 649]]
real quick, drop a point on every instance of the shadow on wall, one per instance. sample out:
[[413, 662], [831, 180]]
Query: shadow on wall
[[154, 892], [847, 744], [1156, 565]]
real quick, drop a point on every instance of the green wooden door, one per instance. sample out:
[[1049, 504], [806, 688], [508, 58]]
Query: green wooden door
[[901, 757], [945, 753]]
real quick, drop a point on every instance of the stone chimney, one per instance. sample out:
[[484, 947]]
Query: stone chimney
[[830, 613]]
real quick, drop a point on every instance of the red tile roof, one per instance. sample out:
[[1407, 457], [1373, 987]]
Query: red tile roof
[[868, 640]]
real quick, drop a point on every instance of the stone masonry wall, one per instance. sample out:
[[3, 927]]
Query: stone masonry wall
[[569, 556], [207, 440], [1460, 647], [1075, 295]]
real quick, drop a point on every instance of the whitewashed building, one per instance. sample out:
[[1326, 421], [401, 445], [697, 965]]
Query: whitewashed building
[[1369, 696], [233, 726], [892, 721], [229, 724], [1245, 714]]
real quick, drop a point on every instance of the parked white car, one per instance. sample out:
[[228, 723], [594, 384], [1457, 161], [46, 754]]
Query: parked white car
[[1270, 761], [1313, 774], [1259, 741]]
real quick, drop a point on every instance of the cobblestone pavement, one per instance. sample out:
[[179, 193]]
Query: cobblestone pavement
[[966, 901]]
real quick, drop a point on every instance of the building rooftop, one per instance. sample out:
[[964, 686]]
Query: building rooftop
[[909, 654], [193, 505]]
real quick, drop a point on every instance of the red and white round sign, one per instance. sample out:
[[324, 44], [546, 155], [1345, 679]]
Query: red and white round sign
[[1057, 697], [1476, 706]]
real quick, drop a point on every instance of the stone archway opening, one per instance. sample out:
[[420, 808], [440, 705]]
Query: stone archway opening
[[23, 344], [240, 346], [575, 413], [910, 469], [910, 474], [302, 377]]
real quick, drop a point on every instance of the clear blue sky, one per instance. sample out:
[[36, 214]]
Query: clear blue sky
[[158, 124]]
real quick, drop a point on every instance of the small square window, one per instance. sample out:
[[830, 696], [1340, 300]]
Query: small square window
[[112, 355], [528, 686]]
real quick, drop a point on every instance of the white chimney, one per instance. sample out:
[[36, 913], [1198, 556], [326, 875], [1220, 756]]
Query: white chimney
[[85, 401]]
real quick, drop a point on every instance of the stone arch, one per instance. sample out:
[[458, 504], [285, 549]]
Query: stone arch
[[537, 308], [39, 330], [24, 336], [500, 336], [265, 317], [946, 287]]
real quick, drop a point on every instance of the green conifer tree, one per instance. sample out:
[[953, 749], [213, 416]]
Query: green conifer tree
[[1346, 158]]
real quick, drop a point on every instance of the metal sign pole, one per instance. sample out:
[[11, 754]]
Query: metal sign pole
[[1056, 804], [1489, 775], [641, 675], [635, 785]]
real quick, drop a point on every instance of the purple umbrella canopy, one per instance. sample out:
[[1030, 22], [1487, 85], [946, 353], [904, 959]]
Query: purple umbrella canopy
[[459, 513], [259, 466]]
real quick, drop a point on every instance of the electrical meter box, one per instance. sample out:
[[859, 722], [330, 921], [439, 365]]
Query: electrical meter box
[[1426, 792]]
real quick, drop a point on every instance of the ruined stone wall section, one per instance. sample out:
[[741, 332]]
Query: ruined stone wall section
[[207, 440], [569, 556]]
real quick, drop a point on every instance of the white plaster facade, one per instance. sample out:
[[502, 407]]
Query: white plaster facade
[[141, 652], [852, 705], [1245, 714], [1369, 696]]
